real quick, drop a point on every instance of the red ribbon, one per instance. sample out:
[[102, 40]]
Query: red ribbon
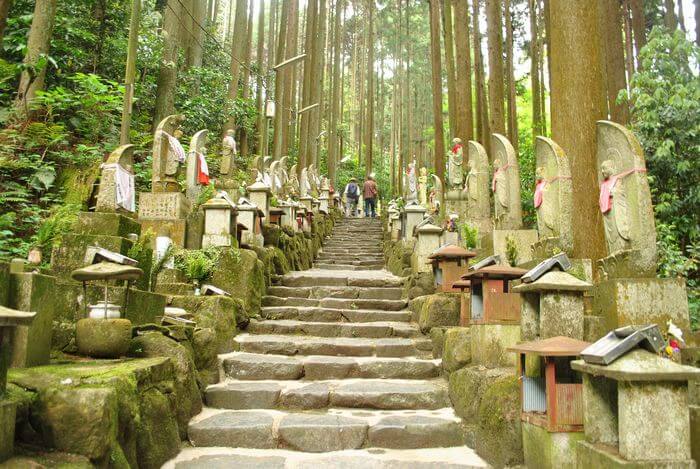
[[606, 187], [493, 181]]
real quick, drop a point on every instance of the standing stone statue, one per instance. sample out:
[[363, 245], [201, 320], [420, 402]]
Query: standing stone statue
[[294, 186], [455, 177], [256, 170], [229, 151], [423, 187], [436, 195], [553, 199], [304, 185], [314, 180], [117, 190], [506, 185], [197, 168], [411, 182], [276, 179], [625, 203], [476, 189], [168, 154]]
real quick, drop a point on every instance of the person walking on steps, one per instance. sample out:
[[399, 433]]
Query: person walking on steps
[[352, 195], [370, 192]]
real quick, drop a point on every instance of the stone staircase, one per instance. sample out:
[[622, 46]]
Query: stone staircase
[[332, 375]]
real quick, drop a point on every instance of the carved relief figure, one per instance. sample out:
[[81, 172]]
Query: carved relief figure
[[229, 151], [613, 204], [168, 154], [455, 177], [423, 187]]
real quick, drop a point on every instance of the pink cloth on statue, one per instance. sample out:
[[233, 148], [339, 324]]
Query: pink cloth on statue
[[539, 189], [607, 186], [493, 181], [202, 170], [176, 147], [456, 147]]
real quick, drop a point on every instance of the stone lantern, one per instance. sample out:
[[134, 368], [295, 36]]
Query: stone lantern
[[495, 314], [551, 401], [302, 219], [414, 213], [288, 217], [249, 216], [636, 412], [428, 240], [449, 263], [276, 215], [259, 195], [220, 224], [324, 197]]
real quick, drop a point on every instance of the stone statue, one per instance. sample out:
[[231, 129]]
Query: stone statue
[[256, 170], [229, 151], [553, 198], [476, 189], [625, 203], [197, 169], [314, 180], [423, 187], [304, 184], [436, 194], [506, 185], [117, 190], [294, 186], [411, 182], [276, 179], [455, 177], [168, 154]]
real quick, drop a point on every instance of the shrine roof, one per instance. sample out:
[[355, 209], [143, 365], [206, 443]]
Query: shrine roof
[[554, 281], [496, 272], [451, 251], [553, 347]]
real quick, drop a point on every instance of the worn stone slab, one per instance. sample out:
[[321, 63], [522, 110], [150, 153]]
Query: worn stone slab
[[415, 432], [332, 329], [234, 429], [317, 314], [391, 395], [297, 345], [257, 367], [243, 395], [321, 433], [309, 396]]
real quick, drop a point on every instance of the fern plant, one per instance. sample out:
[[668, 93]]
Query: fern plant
[[470, 235], [511, 251]]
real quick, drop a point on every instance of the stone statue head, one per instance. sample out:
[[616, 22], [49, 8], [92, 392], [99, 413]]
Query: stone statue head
[[457, 141], [178, 134], [607, 168], [539, 173], [230, 133], [424, 171]]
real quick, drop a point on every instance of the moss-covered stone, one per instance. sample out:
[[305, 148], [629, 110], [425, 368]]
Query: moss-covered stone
[[107, 224], [398, 257], [419, 284], [7, 428], [499, 434], [241, 273], [468, 385], [158, 439], [186, 399], [490, 343], [441, 309], [437, 337], [103, 338], [279, 261], [70, 254], [546, 450], [271, 234], [4, 283], [457, 349], [78, 182], [204, 345]]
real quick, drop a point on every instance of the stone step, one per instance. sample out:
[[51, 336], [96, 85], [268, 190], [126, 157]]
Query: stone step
[[385, 394], [256, 366], [314, 277], [314, 314], [322, 266], [330, 258], [352, 255], [336, 292], [337, 303], [335, 346], [370, 330], [456, 457], [332, 430]]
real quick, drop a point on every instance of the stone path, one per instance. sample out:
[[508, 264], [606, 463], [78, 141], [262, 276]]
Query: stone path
[[332, 375]]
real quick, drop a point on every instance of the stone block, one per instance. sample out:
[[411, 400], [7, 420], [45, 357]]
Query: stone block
[[177, 228], [546, 450], [591, 455], [106, 224], [499, 438], [7, 429], [419, 284], [31, 345], [103, 338], [440, 309], [241, 273], [653, 421], [490, 341], [195, 230], [437, 336], [220, 313], [561, 314], [624, 302], [163, 206], [457, 352], [468, 385], [600, 419], [70, 254], [321, 433], [524, 239]]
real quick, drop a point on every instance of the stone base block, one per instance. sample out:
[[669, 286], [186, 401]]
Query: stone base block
[[178, 229], [218, 240], [695, 432], [31, 345], [195, 229], [70, 254], [490, 341], [163, 206], [103, 338], [597, 455], [7, 429], [633, 301], [524, 239], [547, 450], [107, 224], [252, 239]]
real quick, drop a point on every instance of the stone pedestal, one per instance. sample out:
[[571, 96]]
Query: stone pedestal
[[31, 344], [248, 217], [414, 214], [219, 223], [456, 203], [395, 227], [259, 194], [524, 239], [307, 202], [428, 240], [7, 429], [323, 204], [489, 344], [103, 338], [289, 217], [546, 450], [157, 209]]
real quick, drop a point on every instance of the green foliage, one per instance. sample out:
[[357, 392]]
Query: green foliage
[[511, 251], [470, 235], [197, 264], [60, 222], [665, 104]]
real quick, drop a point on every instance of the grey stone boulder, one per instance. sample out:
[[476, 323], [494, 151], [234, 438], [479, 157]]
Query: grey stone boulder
[[321, 433], [415, 431], [234, 429]]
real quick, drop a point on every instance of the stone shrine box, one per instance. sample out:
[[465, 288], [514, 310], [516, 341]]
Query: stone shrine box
[[220, 226], [413, 215], [428, 240], [492, 300], [552, 306], [300, 214], [551, 396], [250, 216], [449, 264], [289, 216], [464, 286], [259, 195], [636, 412], [276, 215]]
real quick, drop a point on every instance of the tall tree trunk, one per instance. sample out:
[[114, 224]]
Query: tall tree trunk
[[4, 12], [670, 18], [196, 52], [448, 35], [681, 15], [304, 119], [697, 22], [167, 75], [496, 77], [439, 155], [464, 119], [638, 25], [578, 101], [333, 137], [482, 109], [240, 35], [510, 79], [369, 126], [612, 52], [245, 79], [260, 82], [319, 78], [537, 128], [279, 80], [289, 100], [629, 51]]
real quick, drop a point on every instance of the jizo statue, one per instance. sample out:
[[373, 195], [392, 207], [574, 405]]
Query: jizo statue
[[455, 177], [229, 151], [412, 182], [423, 187], [506, 185], [168, 154]]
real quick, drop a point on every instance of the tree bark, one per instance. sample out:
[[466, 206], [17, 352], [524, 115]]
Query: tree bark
[[38, 45], [279, 80], [130, 73], [333, 137], [496, 77], [245, 79], [638, 25], [4, 12], [167, 75], [317, 94], [196, 52], [629, 50], [612, 52], [670, 18], [311, 14], [681, 15], [240, 34], [578, 101], [510, 79], [448, 35], [439, 155], [697, 22], [483, 131], [464, 119], [535, 84], [369, 126]]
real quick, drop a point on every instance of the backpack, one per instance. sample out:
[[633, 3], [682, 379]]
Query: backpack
[[353, 191]]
